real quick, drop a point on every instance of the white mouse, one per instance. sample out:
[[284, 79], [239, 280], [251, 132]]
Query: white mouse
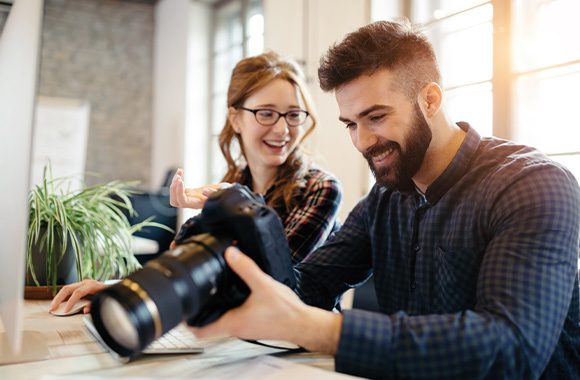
[[77, 308]]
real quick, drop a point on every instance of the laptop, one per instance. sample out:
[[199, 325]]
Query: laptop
[[179, 340]]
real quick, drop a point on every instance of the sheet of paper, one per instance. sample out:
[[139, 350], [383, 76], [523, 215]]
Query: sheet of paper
[[259, 368], [269, 367]]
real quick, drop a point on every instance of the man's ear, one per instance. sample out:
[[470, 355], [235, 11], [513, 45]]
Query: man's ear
[[431, 98], [233, 116]]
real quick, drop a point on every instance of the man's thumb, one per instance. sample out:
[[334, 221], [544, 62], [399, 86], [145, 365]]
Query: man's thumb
[[244, 267]]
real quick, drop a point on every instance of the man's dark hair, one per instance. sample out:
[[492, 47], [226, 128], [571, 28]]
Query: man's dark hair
[[398, 46]]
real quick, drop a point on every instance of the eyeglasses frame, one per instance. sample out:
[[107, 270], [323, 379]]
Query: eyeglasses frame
[[280, 114]]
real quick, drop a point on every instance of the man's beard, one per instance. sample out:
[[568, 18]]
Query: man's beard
[[399, 174]]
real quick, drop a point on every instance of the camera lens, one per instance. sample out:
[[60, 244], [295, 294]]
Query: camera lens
[[151, 301], [117, 320], [193, 282]]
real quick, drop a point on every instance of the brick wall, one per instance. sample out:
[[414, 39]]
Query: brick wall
[[102, 51]]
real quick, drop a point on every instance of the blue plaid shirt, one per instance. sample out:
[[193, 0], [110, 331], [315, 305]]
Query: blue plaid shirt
[[478, 278]]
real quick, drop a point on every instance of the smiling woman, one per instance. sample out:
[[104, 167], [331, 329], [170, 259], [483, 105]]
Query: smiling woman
[[270, 114], [266, 138]]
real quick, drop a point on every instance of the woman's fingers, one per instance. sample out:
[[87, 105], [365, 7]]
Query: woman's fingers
[[74, 292], [173, 188], [207, 191], [180, 194]]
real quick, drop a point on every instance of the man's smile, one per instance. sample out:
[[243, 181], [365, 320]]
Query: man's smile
[[383, 155]]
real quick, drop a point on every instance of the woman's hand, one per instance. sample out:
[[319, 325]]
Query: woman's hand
[[74, 292], [179, 196]]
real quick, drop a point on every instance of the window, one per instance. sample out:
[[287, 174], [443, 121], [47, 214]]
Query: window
[[546, 59], [462, 34], [239, 32], [511, 68]]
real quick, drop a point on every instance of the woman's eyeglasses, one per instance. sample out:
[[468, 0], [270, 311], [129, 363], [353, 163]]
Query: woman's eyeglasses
[[269, 117]]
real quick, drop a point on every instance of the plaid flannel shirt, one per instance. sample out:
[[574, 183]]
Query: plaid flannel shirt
[[311, 222], [478, 278]]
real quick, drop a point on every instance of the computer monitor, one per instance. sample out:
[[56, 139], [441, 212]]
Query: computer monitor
[[19, 71]]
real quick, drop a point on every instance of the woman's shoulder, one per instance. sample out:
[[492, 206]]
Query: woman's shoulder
[[319, 179], [319, 175]]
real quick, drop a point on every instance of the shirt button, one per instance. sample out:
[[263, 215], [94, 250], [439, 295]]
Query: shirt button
[[416, 247], [413, 285]]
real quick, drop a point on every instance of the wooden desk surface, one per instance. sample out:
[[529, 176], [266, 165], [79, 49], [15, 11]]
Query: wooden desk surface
[[74, 351]]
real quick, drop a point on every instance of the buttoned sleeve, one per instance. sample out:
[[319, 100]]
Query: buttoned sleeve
[[343, 262]]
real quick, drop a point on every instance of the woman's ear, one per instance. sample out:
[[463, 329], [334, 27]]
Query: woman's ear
[[233, 117], [431, 98]]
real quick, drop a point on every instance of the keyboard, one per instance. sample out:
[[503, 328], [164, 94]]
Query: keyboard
[[179, 340]]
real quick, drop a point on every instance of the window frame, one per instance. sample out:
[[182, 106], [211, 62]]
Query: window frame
[[505, 75], [246, 6]]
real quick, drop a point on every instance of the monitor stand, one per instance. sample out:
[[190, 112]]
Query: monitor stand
[[34, 348]]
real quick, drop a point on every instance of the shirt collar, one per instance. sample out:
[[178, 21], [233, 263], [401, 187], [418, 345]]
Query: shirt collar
[[457, 167]]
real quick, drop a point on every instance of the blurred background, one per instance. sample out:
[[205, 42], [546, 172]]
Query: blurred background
[[133, 89]]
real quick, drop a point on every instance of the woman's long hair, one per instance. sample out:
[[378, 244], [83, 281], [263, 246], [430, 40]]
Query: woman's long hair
[[250, 75]]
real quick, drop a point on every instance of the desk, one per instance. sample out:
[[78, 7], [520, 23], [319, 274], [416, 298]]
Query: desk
[[76, 353]]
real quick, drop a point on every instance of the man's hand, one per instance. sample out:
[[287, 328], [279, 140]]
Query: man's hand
[[274, 311], [179, 196]]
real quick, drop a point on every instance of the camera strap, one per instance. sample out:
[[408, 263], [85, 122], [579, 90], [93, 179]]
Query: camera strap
[[282, 346]]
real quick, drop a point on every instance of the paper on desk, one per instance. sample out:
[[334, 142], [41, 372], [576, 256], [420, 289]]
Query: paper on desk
[[269, 367], [260, 368]]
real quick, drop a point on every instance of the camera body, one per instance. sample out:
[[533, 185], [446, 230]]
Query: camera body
[[193, 282], [237, 215]]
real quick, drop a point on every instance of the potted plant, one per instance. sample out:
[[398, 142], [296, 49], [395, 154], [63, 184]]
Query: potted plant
[[78, 234]]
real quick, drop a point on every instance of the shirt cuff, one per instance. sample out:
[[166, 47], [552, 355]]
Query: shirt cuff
[[365, 342]]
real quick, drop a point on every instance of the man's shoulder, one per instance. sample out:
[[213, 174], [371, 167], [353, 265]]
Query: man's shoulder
[[504, 169], [507, 158]]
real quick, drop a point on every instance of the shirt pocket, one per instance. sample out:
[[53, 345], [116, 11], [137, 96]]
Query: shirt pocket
[[455, 279]]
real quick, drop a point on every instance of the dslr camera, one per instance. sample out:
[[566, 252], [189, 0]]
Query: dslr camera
[[193, 282]]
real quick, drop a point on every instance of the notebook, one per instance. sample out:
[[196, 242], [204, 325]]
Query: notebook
[[179, 340]]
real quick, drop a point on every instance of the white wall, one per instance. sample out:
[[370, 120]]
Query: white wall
[[197, 104], [169, 86], [305, 29], [180, 100], [180, 94]]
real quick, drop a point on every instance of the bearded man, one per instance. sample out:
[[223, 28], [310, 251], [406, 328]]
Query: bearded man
[[473, 241]]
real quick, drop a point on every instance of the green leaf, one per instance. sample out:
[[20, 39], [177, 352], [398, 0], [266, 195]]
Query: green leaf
[[92, 220]]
